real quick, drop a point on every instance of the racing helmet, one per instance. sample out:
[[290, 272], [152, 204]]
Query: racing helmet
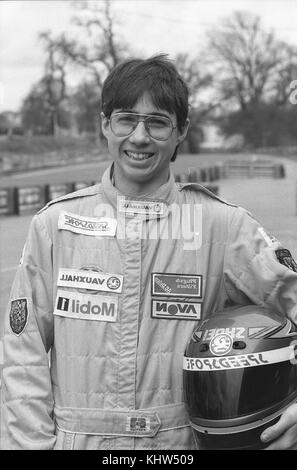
[[239, 375]]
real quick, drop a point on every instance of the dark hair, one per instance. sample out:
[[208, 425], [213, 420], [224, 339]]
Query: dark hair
[[128, 81]]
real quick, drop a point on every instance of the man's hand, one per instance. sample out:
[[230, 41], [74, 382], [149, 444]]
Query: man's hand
[[283, 434]]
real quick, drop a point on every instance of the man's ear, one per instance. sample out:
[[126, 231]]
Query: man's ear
[[184, 132], [104, 124]]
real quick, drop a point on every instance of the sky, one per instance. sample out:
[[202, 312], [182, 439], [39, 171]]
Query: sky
[[149, 26]]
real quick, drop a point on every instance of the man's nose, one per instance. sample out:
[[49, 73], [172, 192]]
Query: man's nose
[[139, 135]]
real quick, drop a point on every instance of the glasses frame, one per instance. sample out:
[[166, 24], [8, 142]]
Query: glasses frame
[[142, 118]]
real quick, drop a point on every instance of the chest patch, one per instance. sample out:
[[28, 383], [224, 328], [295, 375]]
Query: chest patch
[[130, 206], [86, 306], [177, 285], [91, 226], [176, 310], [82, 279]]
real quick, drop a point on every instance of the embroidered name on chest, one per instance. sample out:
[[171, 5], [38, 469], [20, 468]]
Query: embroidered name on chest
[[130, 206]]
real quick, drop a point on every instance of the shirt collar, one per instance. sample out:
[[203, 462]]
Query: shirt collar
[[167, 193]]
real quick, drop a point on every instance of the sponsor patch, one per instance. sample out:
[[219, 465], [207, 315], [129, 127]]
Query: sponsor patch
[[96, 281], [235, 333], [240, 361], [221, 344], [130, 206], [86, 307], [92, 226], [176, 310], [18, 316], [138, 423], [177, 285], [270, 239], [285, 258]]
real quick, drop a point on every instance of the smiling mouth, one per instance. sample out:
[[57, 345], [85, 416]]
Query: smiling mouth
[[139, 156]]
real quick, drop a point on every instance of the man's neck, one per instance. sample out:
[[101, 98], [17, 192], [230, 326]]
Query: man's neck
[[137, 189]]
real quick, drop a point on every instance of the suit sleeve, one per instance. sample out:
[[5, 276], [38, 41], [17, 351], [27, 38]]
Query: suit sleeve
[[28, 336], [257, 267]]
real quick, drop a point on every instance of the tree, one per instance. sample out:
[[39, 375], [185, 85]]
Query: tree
[[37, 112], [97, 46], [199, 83], [54, 79], [86, 104], [253, 71]]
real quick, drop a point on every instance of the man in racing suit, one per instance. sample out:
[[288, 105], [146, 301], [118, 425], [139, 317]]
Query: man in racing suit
[[114, 278]]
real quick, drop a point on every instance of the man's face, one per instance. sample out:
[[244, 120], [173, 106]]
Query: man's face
[[141, 163]]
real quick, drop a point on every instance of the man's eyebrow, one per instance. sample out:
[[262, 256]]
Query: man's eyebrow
[[132, 111]]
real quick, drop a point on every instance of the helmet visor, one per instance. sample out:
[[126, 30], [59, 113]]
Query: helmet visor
[[225, 394]]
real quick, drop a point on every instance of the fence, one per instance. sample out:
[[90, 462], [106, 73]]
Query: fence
[[252, 169], [22, 201]]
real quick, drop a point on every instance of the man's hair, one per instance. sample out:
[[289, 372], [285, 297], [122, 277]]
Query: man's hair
[[128, 81]]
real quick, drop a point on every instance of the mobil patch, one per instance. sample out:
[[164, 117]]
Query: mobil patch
[[18, 316], [176, 310], [91, 226], [86, 306], [177, 285]]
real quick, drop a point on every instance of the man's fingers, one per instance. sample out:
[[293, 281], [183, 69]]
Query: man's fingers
[[286, 442], [287, 420]]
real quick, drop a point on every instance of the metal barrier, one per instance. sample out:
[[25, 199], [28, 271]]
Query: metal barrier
[[20, 201], [252, 169], [201, 175], [28, 200]]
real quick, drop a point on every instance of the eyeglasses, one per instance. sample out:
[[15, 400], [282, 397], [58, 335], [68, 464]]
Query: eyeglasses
[[157, 127]]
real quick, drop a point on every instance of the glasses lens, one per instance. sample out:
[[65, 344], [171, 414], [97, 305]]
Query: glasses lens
[[123, 124], [159, 127]]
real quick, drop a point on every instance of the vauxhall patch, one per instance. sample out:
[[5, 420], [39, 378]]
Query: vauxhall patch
[[92, 280], [86, 307], [18, 316], [131, 206], [92, 226], [284, 257], [176, 310], [177, 285]]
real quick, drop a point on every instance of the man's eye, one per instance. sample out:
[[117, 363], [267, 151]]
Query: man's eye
[[157, 122], [126, 119]]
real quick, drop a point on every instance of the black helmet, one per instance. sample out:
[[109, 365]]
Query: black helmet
[[240, 373]]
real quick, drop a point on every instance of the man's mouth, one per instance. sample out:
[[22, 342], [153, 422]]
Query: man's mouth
[[139, 156]]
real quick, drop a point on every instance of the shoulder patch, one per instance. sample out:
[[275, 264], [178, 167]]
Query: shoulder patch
[[89, 191], [199, 188], [18, 316], [286, 259]]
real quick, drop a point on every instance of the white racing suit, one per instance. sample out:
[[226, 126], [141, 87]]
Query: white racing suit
[[112, 287]]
